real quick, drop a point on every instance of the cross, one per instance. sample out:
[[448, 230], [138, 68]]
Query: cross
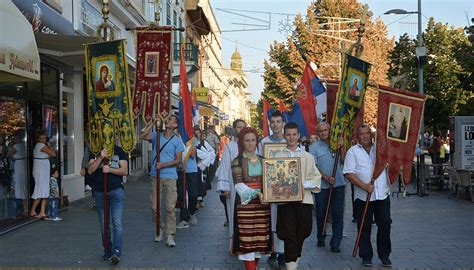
[[365, 13], [343, 50]]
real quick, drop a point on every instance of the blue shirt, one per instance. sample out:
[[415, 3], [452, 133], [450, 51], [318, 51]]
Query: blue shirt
[[324, 159], [174, 146]]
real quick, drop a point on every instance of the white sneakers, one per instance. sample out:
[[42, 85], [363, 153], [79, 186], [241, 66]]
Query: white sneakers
[[159, 238], [193, 220], [182, 225], [170, 241], [87, 188]]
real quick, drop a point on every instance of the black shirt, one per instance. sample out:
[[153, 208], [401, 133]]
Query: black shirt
[[113, 181]]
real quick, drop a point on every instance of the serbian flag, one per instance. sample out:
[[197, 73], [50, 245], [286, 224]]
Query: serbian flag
[[186, 110], [306, 98], [266, 108], [319, 93], [398, 125], [284, 111], [296, 115]]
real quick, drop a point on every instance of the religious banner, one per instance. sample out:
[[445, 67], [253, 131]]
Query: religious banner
[[398, 125], [153, 75], [349, 100], [109, 98]]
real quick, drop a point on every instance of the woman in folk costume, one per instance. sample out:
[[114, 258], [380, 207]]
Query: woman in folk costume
[[252, 232]]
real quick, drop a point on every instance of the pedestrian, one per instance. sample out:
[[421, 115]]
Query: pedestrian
[[206, 157], [252, 234], [324, 159], [41, 173], [188, 186], [277, 258], [115, 168], [214, 141], [313, 138], [294, 221], [171, 149], [225, 182], [358, 168], [53, 200]]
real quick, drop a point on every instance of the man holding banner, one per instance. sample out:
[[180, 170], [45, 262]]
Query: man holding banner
[[171, 148], [358, 169]]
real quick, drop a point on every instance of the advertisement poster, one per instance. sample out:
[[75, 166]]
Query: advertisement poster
[[467, 147]]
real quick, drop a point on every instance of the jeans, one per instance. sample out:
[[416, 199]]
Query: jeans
[[381, 210], [53, 204], [116, 203], [192, 186], [336, 210]]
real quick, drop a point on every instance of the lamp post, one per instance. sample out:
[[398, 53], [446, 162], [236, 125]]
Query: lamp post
[[421, 56]]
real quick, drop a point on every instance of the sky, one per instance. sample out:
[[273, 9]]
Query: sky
[[254, 45]]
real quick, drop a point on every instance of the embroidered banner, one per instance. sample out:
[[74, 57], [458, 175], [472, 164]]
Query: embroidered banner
[[349, 100], [398, 124], [152, 94], [109, 97]]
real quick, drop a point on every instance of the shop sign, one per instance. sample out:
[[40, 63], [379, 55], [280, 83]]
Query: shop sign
[[201, 94], [206, 111], [467, 147]]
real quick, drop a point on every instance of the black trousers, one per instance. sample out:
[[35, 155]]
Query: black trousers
[[192, 188], [294, 225], [381, 211]]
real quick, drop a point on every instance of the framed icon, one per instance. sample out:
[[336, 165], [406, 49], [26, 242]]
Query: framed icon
[[399, 117], [152, 64], [282, 180], [271, 150]]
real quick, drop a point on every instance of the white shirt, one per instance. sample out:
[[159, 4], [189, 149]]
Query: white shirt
[[268, 139], [361, 163], [224, 171]]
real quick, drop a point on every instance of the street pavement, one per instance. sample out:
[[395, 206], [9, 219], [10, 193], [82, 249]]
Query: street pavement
[[433, 231]]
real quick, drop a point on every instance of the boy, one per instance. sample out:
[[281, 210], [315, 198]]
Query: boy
[[53, 200]]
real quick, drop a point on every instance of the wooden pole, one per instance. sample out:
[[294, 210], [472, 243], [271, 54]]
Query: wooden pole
[[158, 182], [328, 205], [364, 213]]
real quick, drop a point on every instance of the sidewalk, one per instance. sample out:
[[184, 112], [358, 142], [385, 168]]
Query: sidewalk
[[427, 232]]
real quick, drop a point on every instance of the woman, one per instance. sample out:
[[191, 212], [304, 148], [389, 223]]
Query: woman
[[251, 237], [41, 173], [105, 82], [205, 157]]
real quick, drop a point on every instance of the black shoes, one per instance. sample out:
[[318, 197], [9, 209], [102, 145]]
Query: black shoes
[[386, 262], [367, 263], [321, 243], [335, 250]]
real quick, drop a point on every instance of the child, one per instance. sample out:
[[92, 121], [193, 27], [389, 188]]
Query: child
[[53, 200]]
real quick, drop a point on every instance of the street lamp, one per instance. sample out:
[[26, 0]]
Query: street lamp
[[421, 57]]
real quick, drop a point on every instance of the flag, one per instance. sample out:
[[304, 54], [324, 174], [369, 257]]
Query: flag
[[109, 97], [266, 108], [398, 124], [282, 108], [349, 100], [296, 115], [319, 93], [306, 98], [152, 95], [332, 87], [186, 108]]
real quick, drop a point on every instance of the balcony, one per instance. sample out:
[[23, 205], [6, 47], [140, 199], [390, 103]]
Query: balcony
[[191, 53]]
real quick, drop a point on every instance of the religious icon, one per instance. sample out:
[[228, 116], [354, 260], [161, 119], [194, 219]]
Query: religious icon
[[398, 122], [104, 79], [271, 150], [282, 180], [151, 64], [355, 87]]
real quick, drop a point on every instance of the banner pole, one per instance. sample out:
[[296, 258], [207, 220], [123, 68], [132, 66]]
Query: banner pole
[[158, 180], [328, 205]]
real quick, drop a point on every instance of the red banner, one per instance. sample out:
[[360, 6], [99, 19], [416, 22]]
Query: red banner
[[398, 124], [153, 74], [332, 86]]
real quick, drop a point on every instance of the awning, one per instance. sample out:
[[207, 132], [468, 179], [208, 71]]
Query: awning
[[63, 48], [19, 58]]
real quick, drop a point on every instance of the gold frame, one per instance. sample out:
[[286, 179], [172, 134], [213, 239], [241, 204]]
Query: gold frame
[[282, 180], [269, 148]]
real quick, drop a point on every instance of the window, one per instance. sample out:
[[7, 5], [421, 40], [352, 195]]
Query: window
[[68, 132], [168, 13]]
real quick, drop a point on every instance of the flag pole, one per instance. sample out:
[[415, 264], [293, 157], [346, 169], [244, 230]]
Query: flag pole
[[328, 205], [158, 182], [106, 208], [361, 226]]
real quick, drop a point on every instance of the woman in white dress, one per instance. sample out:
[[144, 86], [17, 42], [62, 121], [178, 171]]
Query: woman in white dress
[[17, 155], [41, 174]]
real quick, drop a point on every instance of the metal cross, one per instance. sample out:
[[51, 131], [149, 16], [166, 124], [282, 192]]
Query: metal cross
[[365, 13]]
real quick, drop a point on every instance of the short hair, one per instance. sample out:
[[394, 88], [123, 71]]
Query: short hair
[[291, 125], [53, 170], [363, 126], [234, 124], [277, 114], [320, 124], [176, 118]]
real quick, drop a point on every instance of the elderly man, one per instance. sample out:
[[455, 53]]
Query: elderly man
[[325, 159], [358, 167]]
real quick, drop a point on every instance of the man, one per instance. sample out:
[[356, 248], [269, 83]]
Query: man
[[213, 140], [225, 183], [358, 167], [294, 220], [276, 259], [187, 211], [324, 159], [117, 169], [171, 148]]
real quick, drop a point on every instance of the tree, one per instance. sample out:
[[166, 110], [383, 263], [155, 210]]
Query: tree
[[444, 73], [287, 59]]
